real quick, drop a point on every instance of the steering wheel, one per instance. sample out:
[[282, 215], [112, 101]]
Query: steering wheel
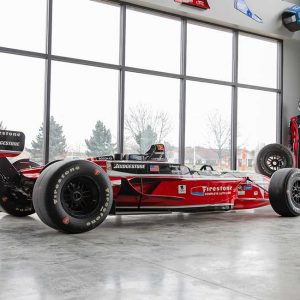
[[206, 167]]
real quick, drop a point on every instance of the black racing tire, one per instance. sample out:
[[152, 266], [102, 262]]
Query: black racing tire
[[273, 157], [15, 204], [73, 196], [284, 192], [49, 164], [39, 204]]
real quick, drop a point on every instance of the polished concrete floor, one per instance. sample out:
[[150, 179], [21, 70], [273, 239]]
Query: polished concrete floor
[[236, 255]]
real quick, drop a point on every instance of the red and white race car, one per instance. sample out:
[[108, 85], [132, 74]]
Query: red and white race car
[[75, 196]]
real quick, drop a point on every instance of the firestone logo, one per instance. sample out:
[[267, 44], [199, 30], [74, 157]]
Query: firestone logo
[[212, 190], [216, 188], [7, 133]]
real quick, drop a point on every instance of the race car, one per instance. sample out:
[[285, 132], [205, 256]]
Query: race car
[[75, 196]]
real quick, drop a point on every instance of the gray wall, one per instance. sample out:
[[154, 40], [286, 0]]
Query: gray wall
[[223, 13], [291, 83]]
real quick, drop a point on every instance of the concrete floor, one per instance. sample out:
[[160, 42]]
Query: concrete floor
[[237, 255]]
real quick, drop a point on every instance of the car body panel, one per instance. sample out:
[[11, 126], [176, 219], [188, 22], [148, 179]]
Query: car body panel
[[140, 187]]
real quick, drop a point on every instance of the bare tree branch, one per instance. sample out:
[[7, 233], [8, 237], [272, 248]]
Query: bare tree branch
[[146, 126], [219, 132], [2, 125]]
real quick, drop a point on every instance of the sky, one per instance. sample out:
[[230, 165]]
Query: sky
[[81, 95]]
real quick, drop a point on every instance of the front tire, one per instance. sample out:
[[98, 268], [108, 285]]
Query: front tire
[[73, 196], [284, 192]]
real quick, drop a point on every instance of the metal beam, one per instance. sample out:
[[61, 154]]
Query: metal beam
[[47, 99], [234, 99], [207, 80], [121, 88], [152, 72], [279, 94], [23, 52], [182, 106], [85, 62], [255, 87]]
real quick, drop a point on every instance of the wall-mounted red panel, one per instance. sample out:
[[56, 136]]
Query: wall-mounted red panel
[[197, 3]]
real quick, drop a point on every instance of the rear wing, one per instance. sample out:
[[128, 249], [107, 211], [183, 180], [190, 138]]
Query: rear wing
[[11, 143]]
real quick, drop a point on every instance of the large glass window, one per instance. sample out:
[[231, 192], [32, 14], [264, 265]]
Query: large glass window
[[84, 111], [22, 99], [23, 24], [153, 41], [258, 61], [208, 125], [256, 124], [151, 114], [86, 29], [86, 99], [209, 52]]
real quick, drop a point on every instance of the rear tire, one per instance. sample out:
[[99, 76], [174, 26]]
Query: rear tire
[[15, 204], [73, 196], [284, 192], [272, 158]]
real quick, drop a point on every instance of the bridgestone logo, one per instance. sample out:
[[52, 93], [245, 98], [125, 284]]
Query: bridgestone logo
[[7, 143], [129, 166]]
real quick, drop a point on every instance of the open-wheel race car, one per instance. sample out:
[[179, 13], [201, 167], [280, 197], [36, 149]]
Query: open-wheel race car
[[75, 196]]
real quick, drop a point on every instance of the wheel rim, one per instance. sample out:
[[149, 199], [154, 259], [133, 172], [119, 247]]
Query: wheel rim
[[276, 161], [296, 193], [80, 197]]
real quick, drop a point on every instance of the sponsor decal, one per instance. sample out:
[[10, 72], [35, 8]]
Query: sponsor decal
[[129, 166], [248, 187], [8, 143], [23, 209], [211, 190], [66, 220], [103, 210], [59, 182], [105, 157], [9, 133], [182, 189], [97, 172], [12, 141], [154, 168]]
